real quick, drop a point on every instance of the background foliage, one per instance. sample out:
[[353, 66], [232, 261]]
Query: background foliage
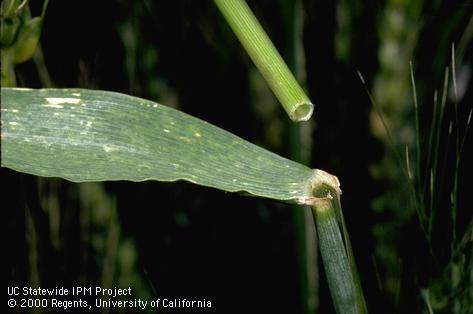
[[180, 240]]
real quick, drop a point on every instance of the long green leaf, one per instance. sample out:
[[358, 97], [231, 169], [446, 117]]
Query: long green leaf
[[85, 135]]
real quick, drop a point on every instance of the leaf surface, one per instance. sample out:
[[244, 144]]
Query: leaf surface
[[88, 135]]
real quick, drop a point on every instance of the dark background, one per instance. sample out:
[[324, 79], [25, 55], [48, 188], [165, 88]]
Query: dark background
[[180, 240]]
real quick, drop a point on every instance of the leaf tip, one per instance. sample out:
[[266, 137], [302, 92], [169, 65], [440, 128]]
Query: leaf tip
[[362, 79]]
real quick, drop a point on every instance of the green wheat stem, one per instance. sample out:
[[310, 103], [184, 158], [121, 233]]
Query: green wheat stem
[[432, 129], [416, 109], [455, 103], [421, 208], [429, 180], [336, 252], [360, 299], [266, 58], [299, 151], [440, 119], [457, 152], [442, 171], [44, 9]]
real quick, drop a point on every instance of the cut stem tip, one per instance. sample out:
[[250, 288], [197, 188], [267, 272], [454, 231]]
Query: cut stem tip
[[302, 112]]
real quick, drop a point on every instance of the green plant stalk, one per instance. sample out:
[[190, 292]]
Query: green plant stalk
[[454, 192], [336, 251], [417, 132], [437, 180], [266, 58], [305, 233], [299, 149], [8, 77]]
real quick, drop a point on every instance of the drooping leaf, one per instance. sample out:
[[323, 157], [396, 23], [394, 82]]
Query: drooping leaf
[[86, 135]]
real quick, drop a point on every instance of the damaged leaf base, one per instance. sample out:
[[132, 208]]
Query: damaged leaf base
[[323, 186], [334, 244]]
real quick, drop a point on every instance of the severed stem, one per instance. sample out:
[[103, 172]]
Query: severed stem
[[266, 58]]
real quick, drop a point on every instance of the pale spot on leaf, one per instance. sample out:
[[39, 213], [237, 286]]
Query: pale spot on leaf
[[58, 101], [54, 106], [184, 139], [108, 148]]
